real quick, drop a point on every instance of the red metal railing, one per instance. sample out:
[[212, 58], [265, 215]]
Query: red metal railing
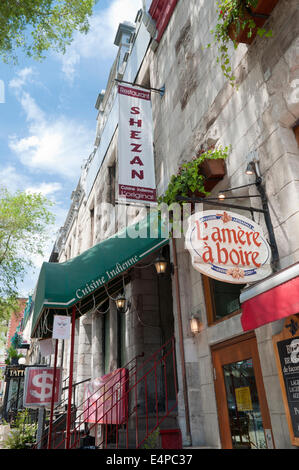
[[58, 434], [126, 412]]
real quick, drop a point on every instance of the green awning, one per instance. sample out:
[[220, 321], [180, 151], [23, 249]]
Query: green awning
[[77, 281]]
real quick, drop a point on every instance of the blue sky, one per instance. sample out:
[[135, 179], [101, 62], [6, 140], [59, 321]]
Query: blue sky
[[48, 118]]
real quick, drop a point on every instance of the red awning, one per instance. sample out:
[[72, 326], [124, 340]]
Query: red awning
[[274, 304]]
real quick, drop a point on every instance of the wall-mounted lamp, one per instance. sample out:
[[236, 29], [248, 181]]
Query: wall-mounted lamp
[[160, 264], [196, 325], [253, 169], [221, 196], [249, 169], [22, 360], [121, 303]]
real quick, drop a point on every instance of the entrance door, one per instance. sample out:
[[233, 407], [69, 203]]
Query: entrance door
[[244, 420]]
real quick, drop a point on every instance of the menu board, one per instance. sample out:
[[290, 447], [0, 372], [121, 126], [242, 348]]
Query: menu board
[[288, 351], [286, 348]]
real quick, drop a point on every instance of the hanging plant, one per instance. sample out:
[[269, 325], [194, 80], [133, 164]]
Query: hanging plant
[[237, 23], [12, 356], [190, 178], [23, 436]]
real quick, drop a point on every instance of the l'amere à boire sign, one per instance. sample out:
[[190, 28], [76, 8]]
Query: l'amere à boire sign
[[228, 247]]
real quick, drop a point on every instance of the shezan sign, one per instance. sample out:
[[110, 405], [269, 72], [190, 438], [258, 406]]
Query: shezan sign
[[135, 146], [228, 247]]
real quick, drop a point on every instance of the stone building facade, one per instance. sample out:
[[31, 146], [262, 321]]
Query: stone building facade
[[258, 119]]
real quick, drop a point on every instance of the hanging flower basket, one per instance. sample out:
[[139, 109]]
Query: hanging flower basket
[[213, 171], [244, 29], [265, 7], [197, 177], [239, 21]]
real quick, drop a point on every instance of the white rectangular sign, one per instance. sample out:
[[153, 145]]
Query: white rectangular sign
[[135, 146], [61, 327], [46, 347]]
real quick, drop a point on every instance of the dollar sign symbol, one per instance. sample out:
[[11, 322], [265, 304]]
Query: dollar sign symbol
[[40, 381]]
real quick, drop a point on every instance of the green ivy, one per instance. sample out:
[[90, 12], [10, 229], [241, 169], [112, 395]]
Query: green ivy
[[189, 178], [233, 11]]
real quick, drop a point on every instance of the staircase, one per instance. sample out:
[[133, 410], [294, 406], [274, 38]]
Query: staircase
[[130, 410]]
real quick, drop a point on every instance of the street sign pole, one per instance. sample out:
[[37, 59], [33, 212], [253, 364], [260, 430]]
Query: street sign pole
[[69, 406], [53, 395], [40, 426]]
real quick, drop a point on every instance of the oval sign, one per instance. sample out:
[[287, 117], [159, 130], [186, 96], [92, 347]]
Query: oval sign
[[228, 247]]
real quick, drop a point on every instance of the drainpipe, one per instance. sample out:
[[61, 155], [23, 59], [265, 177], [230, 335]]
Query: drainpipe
[[181, 343]]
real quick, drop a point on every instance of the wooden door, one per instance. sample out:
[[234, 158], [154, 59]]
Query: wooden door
[[244, 419]]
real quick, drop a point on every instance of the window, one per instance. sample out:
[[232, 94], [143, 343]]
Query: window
[[161, 11], [111, 196], [91, 226], [106, 340], [121, 339], [222, 299]]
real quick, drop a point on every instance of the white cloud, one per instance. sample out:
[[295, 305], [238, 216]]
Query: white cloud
[[99, 42], [11, 179], [33, 111], [44, 188], [22, 77], [56, 145]]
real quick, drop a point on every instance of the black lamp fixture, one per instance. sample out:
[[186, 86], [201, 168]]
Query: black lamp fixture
[[121, 303], [160, 264]]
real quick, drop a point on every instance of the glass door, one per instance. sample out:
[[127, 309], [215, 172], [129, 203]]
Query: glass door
[[244, 420]]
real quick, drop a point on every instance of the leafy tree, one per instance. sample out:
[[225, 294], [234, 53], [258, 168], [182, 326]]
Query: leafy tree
[[35, 26], [24, 219], [8, 306]]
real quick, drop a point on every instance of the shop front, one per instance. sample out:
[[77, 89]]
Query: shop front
[[14, 387], [252, 331], [244, 419], [276, 299], [240, 365]]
